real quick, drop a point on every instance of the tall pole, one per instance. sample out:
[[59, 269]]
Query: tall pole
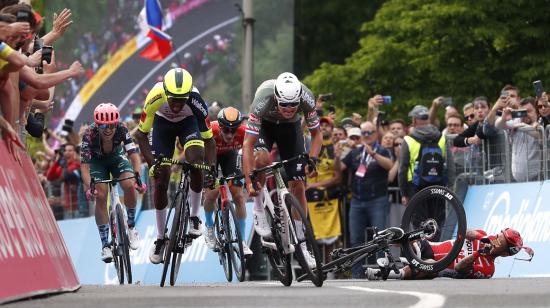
[[248, 53]]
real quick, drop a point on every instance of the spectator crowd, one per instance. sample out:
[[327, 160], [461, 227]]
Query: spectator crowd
[[370, 165]]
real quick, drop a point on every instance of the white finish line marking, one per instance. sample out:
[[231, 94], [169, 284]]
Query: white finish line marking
[[426, 300]]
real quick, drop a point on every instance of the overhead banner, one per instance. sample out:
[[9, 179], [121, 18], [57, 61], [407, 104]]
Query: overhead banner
[[33, 256], [522, 206]]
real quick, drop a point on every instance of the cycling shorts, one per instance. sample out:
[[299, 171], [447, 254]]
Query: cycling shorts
[[115, 164], [228, 164], [290, 143], [165, 133]]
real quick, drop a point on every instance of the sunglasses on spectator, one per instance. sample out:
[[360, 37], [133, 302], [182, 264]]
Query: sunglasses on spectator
[[397, 144], [229, 130], [354, 137], [471, 116], [105, 126], [367, 133], [542, 106]]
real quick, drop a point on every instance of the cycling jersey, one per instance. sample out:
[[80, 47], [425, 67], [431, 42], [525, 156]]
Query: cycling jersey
[[156, 103], [5, 52], [91, 146], [483, 267], [265, 108], [223, 147]]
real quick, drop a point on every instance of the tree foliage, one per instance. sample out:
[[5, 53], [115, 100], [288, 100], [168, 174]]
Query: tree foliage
[[415, 50]]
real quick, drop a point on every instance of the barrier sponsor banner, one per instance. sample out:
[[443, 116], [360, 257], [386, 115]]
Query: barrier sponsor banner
[[521, 206], [33, 256], [198, 264]]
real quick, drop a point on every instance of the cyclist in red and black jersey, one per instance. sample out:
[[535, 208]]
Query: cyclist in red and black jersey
[[228, 132], [475, 260]]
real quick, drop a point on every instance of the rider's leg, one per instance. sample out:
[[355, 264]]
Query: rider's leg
[[161, 199], [194, 153], [238, 198], [261, 160], [210, 197], [297, 189], [101, 216], [130, 197]]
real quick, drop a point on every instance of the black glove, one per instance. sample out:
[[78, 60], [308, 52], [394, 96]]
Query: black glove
[[138, 179]]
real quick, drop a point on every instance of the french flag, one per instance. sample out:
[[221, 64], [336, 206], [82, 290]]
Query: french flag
[[161, 45]]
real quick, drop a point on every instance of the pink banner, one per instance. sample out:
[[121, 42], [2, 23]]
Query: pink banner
[[33, 256]]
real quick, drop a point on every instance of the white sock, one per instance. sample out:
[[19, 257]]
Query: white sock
[[258, 206], [195, 201], [161, 220], [393, 275], [300, 230]]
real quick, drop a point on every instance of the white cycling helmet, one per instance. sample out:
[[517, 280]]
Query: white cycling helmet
[[288, 89]]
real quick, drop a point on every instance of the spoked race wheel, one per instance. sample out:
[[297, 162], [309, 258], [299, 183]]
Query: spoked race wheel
[[222, 239], [279, 261], [434, 214], [294, 208], [124, 245], [234, 241]]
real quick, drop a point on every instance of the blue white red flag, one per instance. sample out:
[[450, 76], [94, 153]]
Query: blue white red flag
[[161, 43]]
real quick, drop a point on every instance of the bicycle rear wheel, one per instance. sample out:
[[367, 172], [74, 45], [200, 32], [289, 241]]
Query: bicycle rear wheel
[[235, 241], [124, 243], [316, 276], [172, 239], [220, 228], [279, 261], [181, 242], [438, 215]]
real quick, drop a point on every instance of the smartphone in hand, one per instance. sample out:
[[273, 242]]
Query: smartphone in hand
[[538, 88]]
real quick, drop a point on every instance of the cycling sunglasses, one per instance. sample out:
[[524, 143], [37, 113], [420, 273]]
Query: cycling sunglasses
[[105, 126], [367, 133], [229, 130], [288, 105]]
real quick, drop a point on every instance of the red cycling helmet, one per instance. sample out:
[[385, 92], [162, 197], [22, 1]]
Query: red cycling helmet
[[514, 240], [106, 113]]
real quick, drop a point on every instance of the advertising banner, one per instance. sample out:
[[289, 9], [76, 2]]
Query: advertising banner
[[522, 206], [198, 264], [33, 256]]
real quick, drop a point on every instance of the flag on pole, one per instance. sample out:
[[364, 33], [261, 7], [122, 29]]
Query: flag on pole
[[161, 43]]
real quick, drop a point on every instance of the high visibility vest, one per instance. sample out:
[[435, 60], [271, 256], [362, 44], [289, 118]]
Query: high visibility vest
[[414, 151]]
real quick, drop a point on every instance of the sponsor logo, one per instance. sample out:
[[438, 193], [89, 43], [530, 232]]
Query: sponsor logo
[[531, 221], [440, 191], [422, 267], [199, 106]]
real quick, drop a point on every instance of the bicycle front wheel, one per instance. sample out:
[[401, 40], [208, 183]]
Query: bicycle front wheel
[[434, 214], [223, 243], [306, 245], [235, 241], [117, 260], [181, 243], [172, 239], [124, 244], [279, 261]]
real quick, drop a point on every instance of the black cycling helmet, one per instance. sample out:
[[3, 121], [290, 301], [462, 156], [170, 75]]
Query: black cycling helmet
[[230, 117]]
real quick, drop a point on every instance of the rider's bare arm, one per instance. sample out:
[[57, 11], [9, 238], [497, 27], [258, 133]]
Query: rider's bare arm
[[143, 142], [474, 235], [248, 155], [466, 265]]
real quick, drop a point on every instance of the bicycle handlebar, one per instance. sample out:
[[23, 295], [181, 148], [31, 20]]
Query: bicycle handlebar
[[93, 182], [186, 166], [277, 165]]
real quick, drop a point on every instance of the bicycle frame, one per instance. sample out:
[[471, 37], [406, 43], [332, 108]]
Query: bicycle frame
[[274, 209]]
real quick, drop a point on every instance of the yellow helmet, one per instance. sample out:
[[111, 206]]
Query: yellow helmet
[[178, 83]]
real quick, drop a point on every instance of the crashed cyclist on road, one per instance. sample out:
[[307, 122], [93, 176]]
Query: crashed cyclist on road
[[475, 260]]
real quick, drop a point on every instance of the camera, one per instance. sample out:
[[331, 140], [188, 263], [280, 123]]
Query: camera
[[23, 16], [38, 44], [387, 99], [538, 88], [447, 101], [504, 93], [325, 97], [519, 113]]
